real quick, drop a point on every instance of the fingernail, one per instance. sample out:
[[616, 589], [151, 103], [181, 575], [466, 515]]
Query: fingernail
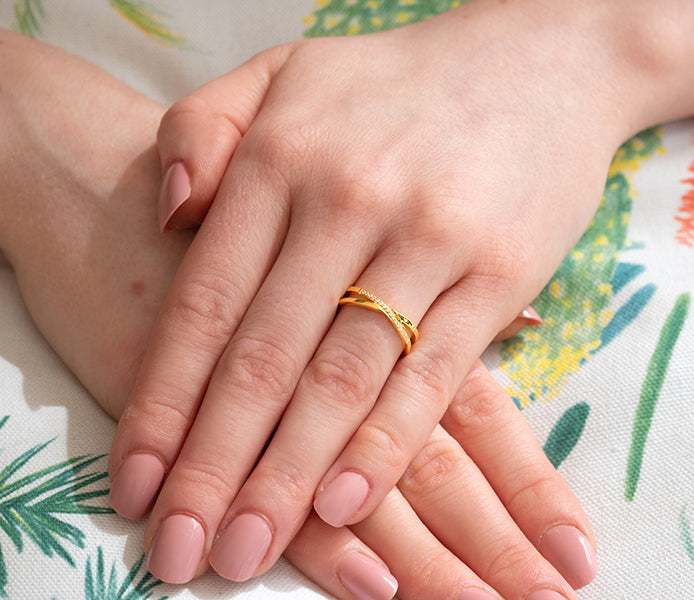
[[241, 547], [476, 594], [135, 485], [571, 554], [545, 595], [366, 579], [342, 498], [175, 190], [531, 316], [177, 549]]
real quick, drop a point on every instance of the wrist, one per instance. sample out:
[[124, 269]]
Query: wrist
[[623, 64], [653, 50], [71, 134]]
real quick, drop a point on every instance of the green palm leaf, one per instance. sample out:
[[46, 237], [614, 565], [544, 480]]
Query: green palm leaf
[[136, 585], [28, 15], [149, 20], [31, 504]]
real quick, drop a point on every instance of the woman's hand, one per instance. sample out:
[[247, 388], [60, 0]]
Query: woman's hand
[[446, 167], [69, 199]]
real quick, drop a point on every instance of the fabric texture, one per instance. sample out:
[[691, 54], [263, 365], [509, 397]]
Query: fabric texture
[[607, 383]]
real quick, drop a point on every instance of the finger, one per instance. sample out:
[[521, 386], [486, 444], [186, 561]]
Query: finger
[[333, 396], [422, 564], [527, 318], [416, 394], [199, 134], [456, 503], [535, 495], [253, 381], [340, 562], [214, 285]]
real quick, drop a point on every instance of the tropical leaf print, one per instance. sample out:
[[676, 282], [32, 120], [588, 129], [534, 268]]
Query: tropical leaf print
[[149, 20], [31, 504], [351, 17], [138, 584], [578, 303], [686, 534], [29, 15], [650, 390], [566, 433]]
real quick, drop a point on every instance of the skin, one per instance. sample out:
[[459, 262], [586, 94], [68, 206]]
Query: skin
[[78, 192], [319, 175]]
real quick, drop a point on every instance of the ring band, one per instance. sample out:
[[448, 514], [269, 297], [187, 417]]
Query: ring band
[[405, 329]]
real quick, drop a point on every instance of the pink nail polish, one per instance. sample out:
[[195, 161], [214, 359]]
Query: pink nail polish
[[476, 594], [177, 549], [571, 554], [545, 595], [135, 485], [531, 316], [342, 498], [366, 579], [175, 190], [241, 547]]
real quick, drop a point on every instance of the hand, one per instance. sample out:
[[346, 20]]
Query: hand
[[70, 199], [439, 166]]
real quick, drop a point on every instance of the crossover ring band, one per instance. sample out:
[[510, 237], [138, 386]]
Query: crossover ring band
[[405, 329]]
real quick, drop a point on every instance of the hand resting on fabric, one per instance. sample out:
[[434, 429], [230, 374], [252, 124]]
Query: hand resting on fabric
[[79, 194]]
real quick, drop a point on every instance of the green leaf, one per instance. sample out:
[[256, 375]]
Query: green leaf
[[32, 504], [28, 15], [149, 20], [135, 585], [650, 391], [566, 433]]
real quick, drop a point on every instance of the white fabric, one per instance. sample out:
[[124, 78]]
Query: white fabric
[[645, 548]]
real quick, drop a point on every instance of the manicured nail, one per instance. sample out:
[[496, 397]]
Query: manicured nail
[[545, 595], [531, 316], [175, 190], [366, 579], [135, 485], [476, 594], [342, 498], [571, 554], [241, 547], [177, 549]]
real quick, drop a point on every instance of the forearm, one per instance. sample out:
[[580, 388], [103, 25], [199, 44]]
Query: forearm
[[79, 178], [623, 62]]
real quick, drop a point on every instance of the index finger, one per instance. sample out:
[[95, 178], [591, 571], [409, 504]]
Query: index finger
[[218, 278]]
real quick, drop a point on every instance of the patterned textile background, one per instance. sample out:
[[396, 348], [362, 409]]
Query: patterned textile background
[[607, 382]]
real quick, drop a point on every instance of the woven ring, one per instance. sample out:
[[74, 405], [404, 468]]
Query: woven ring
[[406, 330]]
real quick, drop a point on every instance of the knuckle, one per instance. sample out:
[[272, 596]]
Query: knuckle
[[534, 491], [342, 376], [205, 481], [479, 403], [264, 368], [441, 221], [435, 465], [503, 260], [430, 375], [203, 306], [183, 108], [508, 562], [159, 415], [433, 568], [284, 143], [290, 485], [380, 446]]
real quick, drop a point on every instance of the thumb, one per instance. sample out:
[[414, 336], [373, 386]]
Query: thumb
[[199, 133]]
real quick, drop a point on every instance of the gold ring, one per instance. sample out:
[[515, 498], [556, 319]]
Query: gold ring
[[405, 329]]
